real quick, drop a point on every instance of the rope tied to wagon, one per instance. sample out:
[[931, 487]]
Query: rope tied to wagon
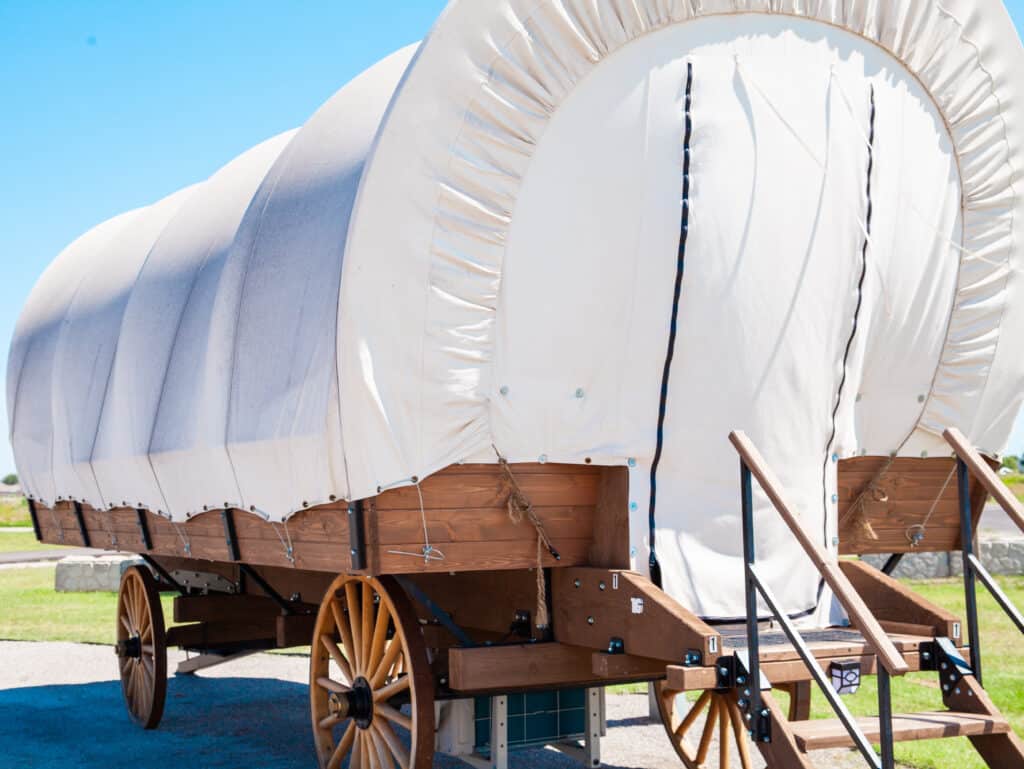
[[520, 508], [856, 514]]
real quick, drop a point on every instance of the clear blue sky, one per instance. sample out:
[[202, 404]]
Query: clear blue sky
[[111, 105]]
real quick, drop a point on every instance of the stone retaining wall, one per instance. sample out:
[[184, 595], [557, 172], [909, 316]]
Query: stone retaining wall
[[998, 556], [88, 574]]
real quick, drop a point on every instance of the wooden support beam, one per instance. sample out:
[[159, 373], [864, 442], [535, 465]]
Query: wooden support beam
[[295, 630], [1002, 750], [681, 678], [524, 666], [895, 605], [858, 612], [606, 665], [224, 608], [594, 606], [213, 635]]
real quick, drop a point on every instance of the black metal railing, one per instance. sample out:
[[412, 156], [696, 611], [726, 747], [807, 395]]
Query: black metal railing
[[757, 586], [970, 462]]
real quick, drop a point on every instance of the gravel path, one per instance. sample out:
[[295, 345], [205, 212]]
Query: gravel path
[[60, 705]]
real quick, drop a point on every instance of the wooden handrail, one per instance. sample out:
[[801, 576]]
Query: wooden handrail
[[858, 612], [981, 470]]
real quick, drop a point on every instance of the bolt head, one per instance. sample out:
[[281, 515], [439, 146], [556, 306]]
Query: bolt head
[[741, 680], [600, 585], [764, 712], [724, 671], [576, 583], [590, 620], [743, 704]]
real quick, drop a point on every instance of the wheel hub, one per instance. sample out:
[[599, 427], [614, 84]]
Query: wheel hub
[[356, 703], [130, 647]]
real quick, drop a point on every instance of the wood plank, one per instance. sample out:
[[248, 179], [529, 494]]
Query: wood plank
[[592, 606], [486, 488], [295, 630], [606, 665], [610, 549], [477, 556], [778, 672], [896, 604], [858, 612], [398, 527], [911, 491], [210, 635], [485, 600], [822, 734], [223, 608], [511, 668], [466, 509]]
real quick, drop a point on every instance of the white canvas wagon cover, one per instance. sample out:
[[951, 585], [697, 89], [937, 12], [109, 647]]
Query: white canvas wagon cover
[[582, 231]]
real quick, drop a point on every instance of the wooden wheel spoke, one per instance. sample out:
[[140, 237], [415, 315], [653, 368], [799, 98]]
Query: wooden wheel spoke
[[127, 625], [367, 614], [348, 648], [394, 688], [723, 733], [384, 757], [709, 732], [343, 747], [355, 624], [356, 761], [742, 743], [380, 637], [393, 715], [339, 659], [395, 745], [391, 655], [332, 686], [691, 717]]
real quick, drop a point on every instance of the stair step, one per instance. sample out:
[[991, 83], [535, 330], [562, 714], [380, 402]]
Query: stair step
[[906, 727]]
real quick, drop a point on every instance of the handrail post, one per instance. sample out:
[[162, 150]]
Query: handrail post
[[749, 555], [885, 735], [963, 477]]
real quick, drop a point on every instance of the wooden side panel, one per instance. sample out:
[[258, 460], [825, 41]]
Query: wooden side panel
[[593, 606], [465, 509], [910, 492], [896, 605]]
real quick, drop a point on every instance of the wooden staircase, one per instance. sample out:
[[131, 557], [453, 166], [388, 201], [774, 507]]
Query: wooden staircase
[[783, 739]]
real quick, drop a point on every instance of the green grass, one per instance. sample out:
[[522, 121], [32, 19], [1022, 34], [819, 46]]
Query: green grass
[[14, 513], [22, 542], [31, 610], [1002, 668]]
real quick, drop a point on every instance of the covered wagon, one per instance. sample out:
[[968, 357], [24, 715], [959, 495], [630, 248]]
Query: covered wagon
[[570, 346]]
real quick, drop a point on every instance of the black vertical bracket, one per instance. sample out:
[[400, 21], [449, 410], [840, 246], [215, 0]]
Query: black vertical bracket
[[81, 525], [35, 520], [147, 541], [357, 535], [231, 537]]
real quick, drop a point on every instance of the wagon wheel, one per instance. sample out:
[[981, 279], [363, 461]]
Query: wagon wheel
[[370, 686], [723, 716], [141, 647]]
